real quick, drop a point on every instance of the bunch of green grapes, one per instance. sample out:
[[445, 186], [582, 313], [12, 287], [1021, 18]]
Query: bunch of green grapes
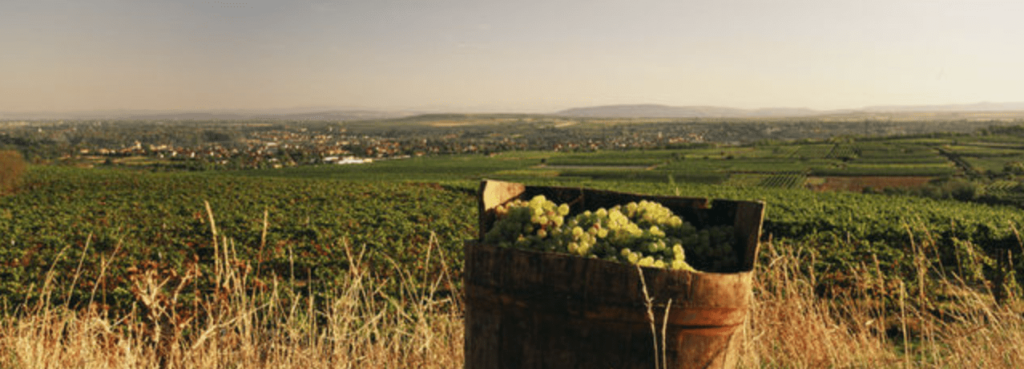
[[645, 233], [713, 248], [533, 225]]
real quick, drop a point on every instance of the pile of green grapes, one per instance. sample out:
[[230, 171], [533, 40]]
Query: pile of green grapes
[[642, 233]]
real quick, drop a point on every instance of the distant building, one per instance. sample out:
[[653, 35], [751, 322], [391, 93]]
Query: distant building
[[354, 160]]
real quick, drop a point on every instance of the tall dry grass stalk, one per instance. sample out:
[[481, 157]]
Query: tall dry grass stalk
[[791, 327], [238, 326]]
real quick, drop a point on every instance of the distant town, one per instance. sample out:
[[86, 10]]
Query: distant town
[[255, 144]]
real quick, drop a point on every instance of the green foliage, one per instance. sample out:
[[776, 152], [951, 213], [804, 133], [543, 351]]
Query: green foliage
[[630, 158], [783, 181], [640, 175], [1014, 167], [135, 221], [812, 151], [954, 188]]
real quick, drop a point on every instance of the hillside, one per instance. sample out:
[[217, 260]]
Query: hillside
[[895, 112], [665, 111]]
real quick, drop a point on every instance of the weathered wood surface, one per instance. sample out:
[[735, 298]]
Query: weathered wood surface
[[528, 309]]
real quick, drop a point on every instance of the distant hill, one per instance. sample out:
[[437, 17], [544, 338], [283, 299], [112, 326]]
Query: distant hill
[[982, 110], [346, 115], [665, 111], [977, 107]]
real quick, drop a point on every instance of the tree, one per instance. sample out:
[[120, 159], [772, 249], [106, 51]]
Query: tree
[[12, 165], [1014, 167]]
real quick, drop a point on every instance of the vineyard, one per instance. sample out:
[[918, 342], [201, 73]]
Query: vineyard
[[110, 226], [97, 239], [783, 181], [303, 229], [906, 160], [812, 151]]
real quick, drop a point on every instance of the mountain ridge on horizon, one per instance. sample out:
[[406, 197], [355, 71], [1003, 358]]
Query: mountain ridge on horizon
[[704, 111], [597, 111], [691, 111]]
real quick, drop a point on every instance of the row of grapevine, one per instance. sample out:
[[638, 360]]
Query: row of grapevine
[[897, 159], [842, 151], [891, 148], [812, 151], [746, 179], [783, 181], [1002, 188], [984, 150], [613, 158], [992, 164]]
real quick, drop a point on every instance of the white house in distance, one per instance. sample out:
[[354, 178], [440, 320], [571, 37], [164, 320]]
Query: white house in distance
[[346, 160]]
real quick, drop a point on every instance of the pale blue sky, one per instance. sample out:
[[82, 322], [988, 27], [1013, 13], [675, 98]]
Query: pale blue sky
[[515, 56]]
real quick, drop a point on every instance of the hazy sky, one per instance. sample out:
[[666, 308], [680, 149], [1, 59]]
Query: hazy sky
[[509, 55]]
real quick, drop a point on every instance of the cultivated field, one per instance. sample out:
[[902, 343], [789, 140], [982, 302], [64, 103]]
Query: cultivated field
[[360, 265]]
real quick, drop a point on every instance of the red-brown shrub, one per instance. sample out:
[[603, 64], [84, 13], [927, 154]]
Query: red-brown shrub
[[12, 165]]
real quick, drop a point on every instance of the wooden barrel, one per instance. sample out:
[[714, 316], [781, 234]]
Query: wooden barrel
[[528, 309]]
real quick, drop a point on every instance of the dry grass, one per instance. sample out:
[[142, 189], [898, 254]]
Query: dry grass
[[791, 327], [239, 325], [361, 327]]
